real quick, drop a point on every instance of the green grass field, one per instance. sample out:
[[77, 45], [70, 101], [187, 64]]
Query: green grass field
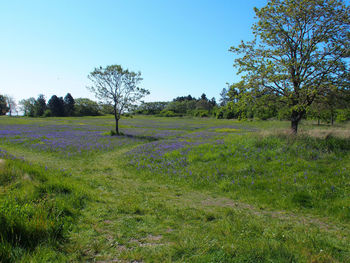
[[173, 190]]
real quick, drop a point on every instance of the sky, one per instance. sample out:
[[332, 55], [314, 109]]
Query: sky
[[180, 46]]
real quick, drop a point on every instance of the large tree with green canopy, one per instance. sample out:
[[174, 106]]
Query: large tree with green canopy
[[299, 51]]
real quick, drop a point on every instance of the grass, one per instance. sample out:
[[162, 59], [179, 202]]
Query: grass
[[38, 209], [217, 191]]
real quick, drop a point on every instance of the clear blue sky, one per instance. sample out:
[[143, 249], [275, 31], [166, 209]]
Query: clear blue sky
[[180, 46]]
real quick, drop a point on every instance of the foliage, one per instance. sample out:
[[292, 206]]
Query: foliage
[[151, 108], [106, 108], [69, 104], [12, 105], [3, 105], [326, 108], [181, 106], [169, 113], [223, 97], [56, 106], [299, 51], [86, 107], [40, 106], [28, 106], [59, 107], [342, 115]]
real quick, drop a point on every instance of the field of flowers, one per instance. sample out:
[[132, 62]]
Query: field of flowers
[[75, 138], [160, 178]]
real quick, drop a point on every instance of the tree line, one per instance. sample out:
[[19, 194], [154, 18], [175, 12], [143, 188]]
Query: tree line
[[62, 107], [238, 101], [180, 106]]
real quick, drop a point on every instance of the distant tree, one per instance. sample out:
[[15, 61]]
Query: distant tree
[[11, 103], [3, 105], [204, 105], [69, 105], [118, 87], [184, 98], [325, 107], [86, 107], [27, 106], [204, 97], [301, 49], [150, 108], [106, 108], [56, 106], [223, 97], [39, 106], [189, 97]]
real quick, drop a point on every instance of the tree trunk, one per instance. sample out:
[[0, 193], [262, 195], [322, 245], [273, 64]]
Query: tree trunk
[[318, 122], [295, 119], [116, 125], [332, 118], [116, 120], [294, 126]]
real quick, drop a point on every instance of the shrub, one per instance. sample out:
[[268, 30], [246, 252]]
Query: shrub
[[47, 113], [343, 115], [168, 113]]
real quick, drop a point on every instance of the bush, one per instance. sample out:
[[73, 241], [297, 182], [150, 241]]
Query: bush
[[342, 115], [128, 115], [47, 113], [219, 114], [201, 113], [168, 113]]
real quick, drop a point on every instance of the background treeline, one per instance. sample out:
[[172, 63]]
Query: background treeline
[[238, 101], [62, 107], [180, 106]]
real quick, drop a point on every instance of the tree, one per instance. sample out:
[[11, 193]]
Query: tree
[[151, 108], [27, 106], [86, 107], [56, 106], [118, 87], [39, 106], [204, 97], [223, 97], [300, 50], [11, 103], [3, 105], [69, 105]]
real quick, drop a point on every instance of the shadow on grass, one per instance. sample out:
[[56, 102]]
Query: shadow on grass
[[140, 137]]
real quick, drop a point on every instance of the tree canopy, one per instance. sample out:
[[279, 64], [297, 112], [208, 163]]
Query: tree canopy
[[300, 51]]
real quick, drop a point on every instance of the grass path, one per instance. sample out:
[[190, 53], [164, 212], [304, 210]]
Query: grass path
[[132, 219]]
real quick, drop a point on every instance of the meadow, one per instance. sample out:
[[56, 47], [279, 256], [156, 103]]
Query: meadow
[[173, 190]]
